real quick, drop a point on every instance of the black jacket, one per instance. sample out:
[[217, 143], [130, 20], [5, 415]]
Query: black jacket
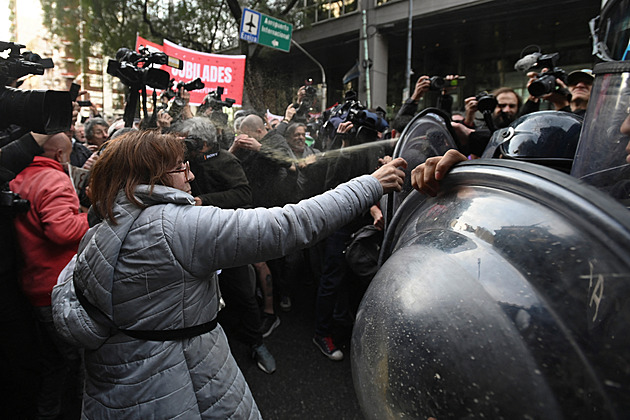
[[220, 181], [269, 172]]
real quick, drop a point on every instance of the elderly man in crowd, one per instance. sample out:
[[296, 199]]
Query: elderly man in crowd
[[96, 132]]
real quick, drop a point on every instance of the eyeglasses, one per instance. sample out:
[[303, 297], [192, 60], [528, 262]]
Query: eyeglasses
[[185, 170]]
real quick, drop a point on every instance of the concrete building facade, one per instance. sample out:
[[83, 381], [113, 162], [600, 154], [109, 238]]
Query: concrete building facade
[[480, 39]]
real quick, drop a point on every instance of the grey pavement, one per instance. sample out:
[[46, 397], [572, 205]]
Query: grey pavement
[[306, 384]]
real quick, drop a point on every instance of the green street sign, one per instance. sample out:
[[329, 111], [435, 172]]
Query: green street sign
[[265, 30]]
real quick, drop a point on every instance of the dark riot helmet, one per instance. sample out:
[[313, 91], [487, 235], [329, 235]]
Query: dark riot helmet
[[548, 138]]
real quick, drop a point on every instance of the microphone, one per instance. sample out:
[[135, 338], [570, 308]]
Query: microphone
[[527, 62]]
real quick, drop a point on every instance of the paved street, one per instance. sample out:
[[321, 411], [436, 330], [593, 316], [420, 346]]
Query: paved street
[[306, 385]]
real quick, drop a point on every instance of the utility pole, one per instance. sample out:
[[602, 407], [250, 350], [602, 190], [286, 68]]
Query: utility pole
[[366, 60], [407, 91]]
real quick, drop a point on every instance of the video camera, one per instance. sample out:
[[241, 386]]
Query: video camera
[[173, 92], [214, 101], [546, 80], [366, 124], [135, 68], [301, 109], [173, 89], [41, 111]]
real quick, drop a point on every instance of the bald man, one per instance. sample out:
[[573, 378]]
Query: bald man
[[268, 162], [48, 236]]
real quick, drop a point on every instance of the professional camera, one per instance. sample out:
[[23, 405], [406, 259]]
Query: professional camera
[[172, 92], [486, 102], [135, 68], [41, 111], [173, 88], [366, 124], [301, 109], [214, 101], [546, 80]]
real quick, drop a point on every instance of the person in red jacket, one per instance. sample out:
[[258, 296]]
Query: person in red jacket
[[48, 237]]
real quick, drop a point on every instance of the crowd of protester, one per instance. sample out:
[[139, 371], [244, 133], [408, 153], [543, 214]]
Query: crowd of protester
[[247, 163]]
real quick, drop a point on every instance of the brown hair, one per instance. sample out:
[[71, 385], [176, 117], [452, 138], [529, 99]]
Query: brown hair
[[137, 157], [501, 90]]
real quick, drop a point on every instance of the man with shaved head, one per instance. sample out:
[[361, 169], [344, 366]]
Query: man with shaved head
[[268, 163], [48, 236]]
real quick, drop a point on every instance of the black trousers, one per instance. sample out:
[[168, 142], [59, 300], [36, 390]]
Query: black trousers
[[238, 288]]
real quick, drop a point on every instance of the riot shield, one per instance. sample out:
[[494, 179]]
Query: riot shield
[[602, 157], [506, 296], [428, 134]]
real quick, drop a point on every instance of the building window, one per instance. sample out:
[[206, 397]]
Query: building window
[[382, 2], [314, 11]]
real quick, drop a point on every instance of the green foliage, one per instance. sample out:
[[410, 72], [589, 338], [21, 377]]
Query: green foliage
[[203, 25], [62, 18]]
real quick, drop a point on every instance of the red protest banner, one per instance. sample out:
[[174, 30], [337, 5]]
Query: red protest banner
[[214, 70], [227, 71]]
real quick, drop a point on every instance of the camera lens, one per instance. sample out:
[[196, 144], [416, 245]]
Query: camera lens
[[542, 86], [437, 83], [486, 102], [41, 111]]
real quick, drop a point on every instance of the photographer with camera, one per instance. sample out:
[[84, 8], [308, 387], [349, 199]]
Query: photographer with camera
[[212, 107], [572, 96], [425, 84], [180, 103], [499, 109], [508, 104], [306, 96]]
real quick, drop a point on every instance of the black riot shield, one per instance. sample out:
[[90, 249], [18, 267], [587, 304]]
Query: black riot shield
[[428, 134], [506, 296]]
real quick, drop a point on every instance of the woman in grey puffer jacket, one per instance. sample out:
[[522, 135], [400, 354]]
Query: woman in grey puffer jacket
[[143, 297]]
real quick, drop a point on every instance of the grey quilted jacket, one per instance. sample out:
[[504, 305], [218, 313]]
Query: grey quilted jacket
[[156, 270]]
